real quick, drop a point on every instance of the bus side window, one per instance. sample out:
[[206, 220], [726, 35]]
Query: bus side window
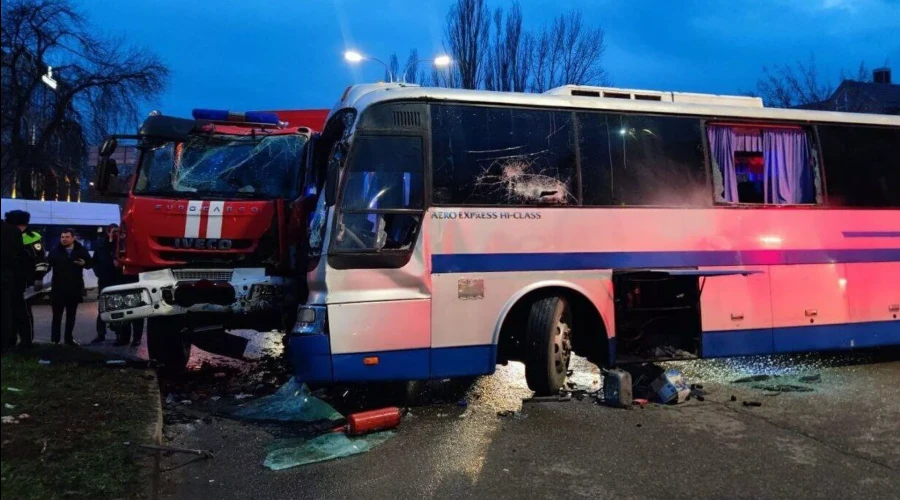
[[503, 156], [862, 165], [764, 164], [642, 160]]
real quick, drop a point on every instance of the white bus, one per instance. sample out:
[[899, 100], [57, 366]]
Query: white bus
[[461, 229], [89, 220]]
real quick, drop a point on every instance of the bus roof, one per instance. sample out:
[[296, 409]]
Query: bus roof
[[362, 96], [62, 213]]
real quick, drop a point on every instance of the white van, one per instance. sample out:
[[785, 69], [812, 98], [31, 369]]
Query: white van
[[89, 220]]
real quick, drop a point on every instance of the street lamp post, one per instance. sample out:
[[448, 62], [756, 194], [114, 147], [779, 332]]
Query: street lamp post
[[441, 61], [354, 57]]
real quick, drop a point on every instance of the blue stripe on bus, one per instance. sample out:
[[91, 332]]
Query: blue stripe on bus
[[871, 234], [409, 364], [313, 362], [463, 361], [504, 262], [800, 339]]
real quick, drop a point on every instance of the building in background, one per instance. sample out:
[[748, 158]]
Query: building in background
[[52, 170], [880, 96]]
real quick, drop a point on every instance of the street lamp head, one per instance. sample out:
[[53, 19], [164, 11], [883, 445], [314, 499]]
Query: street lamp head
[[442, 61], [353, 56]]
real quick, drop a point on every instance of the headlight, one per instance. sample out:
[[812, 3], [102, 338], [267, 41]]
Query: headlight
[[124, 300]]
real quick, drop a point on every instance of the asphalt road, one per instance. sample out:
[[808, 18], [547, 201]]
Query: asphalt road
[[841, 440]]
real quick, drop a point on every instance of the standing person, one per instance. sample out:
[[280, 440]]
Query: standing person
[[9, 258], [131, 330], [31, 266], [106, 272], [68, 261]]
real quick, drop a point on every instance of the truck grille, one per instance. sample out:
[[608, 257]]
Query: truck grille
[[203, 274]]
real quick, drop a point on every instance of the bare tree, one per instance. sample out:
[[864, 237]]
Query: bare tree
[[566, 51], [801, 84], [467, 36], [508, 62], [786, 86], [101, 83], [413, 73]]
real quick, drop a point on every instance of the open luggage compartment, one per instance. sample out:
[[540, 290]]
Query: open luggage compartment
[[657, 315]]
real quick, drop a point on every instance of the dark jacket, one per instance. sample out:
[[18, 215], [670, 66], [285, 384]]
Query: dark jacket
[[104, 264], [10, 253], [68, 277]]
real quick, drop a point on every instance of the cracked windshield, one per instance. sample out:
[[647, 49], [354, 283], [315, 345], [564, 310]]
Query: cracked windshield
[[227, 165]]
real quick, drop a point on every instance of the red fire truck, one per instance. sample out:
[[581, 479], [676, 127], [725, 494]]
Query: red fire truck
[[214, 228]]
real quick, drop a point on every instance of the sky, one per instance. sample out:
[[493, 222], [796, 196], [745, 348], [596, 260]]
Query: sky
[[288, 54]]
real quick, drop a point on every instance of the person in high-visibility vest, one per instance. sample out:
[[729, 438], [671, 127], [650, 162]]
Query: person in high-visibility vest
[[33, 266]]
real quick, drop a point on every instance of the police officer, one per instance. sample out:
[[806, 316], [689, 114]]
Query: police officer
[[31, 268], [9, 258]]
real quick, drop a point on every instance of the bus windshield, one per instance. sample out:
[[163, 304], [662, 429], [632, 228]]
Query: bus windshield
[[223, 165]]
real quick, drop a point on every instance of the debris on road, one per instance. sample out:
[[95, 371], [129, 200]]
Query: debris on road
[[811, 379], [44, 361], [13, 389], [170, 449], [287, 453], [9, 406], [559, 398], [753, 378], [292, 403], [782, 388], [670, 387], [617, 388], [511, 413], [752, 403]]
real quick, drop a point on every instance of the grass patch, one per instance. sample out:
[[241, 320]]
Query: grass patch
[[79, 415]]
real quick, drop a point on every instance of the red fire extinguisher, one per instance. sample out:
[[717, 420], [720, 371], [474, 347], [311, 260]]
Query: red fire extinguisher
[[371, 421]]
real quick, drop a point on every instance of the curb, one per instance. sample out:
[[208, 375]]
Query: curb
[[155, 433]]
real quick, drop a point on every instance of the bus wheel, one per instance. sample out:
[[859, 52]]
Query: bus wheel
[[168, 344], [548, 345]]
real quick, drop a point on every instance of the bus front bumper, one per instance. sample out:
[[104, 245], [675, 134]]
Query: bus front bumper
[[161, 293]]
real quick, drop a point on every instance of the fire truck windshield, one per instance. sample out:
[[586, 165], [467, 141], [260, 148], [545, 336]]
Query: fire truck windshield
[[223, 165]]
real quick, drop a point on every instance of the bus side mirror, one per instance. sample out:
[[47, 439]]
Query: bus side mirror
[[106, 168], [108, 147], [331, 183]]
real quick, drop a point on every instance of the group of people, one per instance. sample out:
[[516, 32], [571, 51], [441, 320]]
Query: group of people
[[24, 264]]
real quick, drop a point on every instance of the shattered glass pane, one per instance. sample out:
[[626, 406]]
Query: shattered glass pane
[[287, 453], [376, 231], [497, 156], [292, 403], [231, 165]]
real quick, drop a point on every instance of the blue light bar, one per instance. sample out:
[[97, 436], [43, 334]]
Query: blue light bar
[[259, 117], [221, 115]]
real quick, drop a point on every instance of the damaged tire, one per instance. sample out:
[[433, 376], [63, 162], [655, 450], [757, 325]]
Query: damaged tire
[[548, 345], [168, 344]]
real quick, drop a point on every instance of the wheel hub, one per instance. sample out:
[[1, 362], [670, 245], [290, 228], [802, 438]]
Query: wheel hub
[[562, 346]]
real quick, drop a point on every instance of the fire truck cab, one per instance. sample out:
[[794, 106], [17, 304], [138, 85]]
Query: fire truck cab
[[213, 231]]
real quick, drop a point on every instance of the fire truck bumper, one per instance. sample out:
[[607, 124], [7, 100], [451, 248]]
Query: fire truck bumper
[[170, 292]]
